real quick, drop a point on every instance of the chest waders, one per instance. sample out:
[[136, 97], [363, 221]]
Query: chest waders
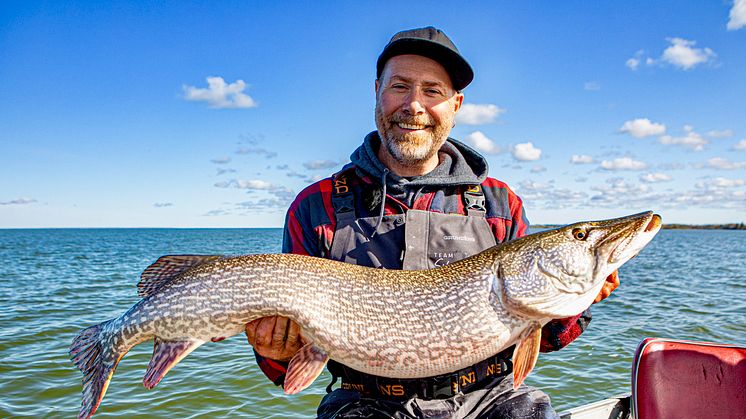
[[416, 239]]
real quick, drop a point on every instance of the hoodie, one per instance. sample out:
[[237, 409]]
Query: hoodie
[[459, 165]]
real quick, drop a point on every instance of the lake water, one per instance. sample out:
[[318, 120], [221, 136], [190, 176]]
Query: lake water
[[686, 284]]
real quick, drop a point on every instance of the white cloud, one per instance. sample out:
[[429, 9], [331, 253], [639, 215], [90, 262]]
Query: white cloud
[[592, 86], [222, 171], [581, 159], [634, 62], [720, 134], [530, 185], [19, 201], [737, 15], [320, 164], [682, 54], [216, 213], [741, 145], [482, 143], [655, 177], [720, 183], [526, 152], [163, 204], [221, 160], [538, 169], [691, 139], [251, 184], [623, 163], [642, 127], [473, 114], [725, 164], [256, 150], [618, 186], [220, 95]]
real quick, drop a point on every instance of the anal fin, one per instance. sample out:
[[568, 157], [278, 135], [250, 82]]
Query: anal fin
[[305, 366], [526, 353], [166, 354]]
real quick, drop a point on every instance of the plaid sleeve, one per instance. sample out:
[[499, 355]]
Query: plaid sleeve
[[559, 333], [519, 225], [274, 370]]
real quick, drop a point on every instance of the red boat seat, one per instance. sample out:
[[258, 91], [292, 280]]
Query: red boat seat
[[683, 379]]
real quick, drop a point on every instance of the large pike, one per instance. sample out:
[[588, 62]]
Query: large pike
[[390, 323]]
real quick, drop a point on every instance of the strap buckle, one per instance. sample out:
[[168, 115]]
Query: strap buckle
[[474, 199]]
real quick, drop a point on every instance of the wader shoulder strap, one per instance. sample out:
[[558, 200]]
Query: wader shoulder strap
[[342, 199], [474, 201]]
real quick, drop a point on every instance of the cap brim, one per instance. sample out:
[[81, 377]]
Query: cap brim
[[458, 69]]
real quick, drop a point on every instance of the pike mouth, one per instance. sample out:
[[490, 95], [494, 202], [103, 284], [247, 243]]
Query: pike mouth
[[634, 235], [654, 223]]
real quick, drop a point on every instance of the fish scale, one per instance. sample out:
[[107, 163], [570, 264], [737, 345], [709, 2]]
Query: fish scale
[[391, 323]]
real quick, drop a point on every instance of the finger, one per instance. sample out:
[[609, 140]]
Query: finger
[[599, 297], [293, 335], [279, 333], [251, 331], [264, 331], [602, 294], [615, 278]]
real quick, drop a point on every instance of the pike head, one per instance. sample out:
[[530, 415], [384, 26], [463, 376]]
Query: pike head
[[558, 273]]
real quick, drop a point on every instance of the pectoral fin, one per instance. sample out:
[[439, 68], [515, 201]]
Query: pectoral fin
[[305, 366], [526, 353], [166, 354]]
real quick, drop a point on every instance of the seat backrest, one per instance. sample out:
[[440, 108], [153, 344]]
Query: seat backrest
[[683, 379]]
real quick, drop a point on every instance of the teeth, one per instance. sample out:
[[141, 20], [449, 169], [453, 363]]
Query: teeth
[[410, 126]]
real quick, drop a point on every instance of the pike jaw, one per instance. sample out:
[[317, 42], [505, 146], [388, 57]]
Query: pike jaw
[[558, 273]]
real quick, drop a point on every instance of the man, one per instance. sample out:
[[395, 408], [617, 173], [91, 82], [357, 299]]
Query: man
[[412, 198]]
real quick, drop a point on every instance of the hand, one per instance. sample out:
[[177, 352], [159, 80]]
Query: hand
[[275, 337], [612, 282]]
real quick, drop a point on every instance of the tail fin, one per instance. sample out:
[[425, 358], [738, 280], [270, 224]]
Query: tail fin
[[97, 359]]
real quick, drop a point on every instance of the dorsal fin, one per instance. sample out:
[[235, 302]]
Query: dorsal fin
[[166, 268]]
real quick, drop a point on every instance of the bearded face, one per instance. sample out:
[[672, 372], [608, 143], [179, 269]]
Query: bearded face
[[412, 139], [415, 109]]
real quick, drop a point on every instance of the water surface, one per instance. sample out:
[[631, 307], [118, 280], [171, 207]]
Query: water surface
[[686, 284]]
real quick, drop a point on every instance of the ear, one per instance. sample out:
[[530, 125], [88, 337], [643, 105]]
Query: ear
[[378, 84], [458, 101]]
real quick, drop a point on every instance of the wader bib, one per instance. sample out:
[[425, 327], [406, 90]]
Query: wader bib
[[430, 239]]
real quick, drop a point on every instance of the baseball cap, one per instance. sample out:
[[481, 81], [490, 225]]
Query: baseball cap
[[431, 43]]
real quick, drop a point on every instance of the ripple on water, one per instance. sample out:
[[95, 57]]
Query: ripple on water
[[685, 284]]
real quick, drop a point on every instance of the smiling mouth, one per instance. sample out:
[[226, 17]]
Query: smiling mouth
[[411, 127]]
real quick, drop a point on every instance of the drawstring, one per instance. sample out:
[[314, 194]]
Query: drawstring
[[383, 203]]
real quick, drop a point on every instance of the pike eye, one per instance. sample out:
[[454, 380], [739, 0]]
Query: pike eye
[[579, 233]]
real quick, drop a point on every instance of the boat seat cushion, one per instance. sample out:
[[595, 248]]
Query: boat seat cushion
[[683, 379]]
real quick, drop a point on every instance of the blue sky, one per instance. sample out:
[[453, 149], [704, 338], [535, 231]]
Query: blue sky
[[146, 114]]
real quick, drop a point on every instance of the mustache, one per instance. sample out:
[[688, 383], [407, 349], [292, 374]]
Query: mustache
[[413, 120]]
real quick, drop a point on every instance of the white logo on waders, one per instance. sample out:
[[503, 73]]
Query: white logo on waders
[[440, 262], [460, 238]]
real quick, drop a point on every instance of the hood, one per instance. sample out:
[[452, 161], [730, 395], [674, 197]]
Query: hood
[[459, 165]]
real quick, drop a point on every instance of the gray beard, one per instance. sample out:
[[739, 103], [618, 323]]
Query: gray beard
[[411, 149]]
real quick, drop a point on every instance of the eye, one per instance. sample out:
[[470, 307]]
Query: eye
[[579, 233]]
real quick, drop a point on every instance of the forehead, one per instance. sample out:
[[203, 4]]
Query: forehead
[[416, 68]]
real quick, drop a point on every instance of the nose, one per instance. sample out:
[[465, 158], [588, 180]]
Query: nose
[[413, 103]]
